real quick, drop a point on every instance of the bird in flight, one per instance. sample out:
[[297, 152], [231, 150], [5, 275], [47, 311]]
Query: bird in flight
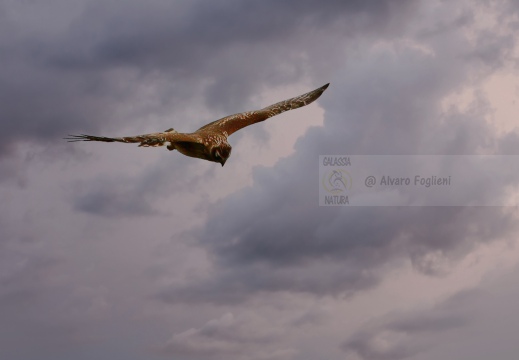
[[210, 141]]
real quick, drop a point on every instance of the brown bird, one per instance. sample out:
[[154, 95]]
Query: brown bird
[[210, 141]]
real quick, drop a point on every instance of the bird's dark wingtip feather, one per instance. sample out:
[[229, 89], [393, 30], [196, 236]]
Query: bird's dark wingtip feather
[[76, 138]]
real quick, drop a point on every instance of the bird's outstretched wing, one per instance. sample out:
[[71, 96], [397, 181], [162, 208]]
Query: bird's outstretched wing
[[233, 123], [147, 140]]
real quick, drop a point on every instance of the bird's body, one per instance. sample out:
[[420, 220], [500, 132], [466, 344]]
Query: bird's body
[[210, 141]]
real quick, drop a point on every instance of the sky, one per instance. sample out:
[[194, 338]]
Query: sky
[[110, 251]]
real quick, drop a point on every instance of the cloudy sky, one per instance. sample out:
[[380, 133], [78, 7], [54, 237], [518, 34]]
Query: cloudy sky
[[109, 251]]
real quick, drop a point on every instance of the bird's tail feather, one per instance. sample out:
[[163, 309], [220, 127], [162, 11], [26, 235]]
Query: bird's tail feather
[[83, 137], [148, 140]]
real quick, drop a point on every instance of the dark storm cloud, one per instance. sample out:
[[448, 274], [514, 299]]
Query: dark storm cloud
[[389, 102], [182, 32], [76, 73]]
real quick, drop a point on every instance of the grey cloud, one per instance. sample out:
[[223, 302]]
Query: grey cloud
[[314, 316], [493, 49], [110, 200], [401, 336], [323, 263], [192, 31], [232, 337], [136, 195], [509, 143], [471, 324], [21, 285], [28, 282], [238, 284]]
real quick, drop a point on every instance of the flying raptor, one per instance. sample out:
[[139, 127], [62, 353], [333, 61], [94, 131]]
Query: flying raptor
[[210, 141]]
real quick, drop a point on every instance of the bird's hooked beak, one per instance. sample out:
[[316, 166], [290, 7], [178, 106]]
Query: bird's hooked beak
[[218, 156]]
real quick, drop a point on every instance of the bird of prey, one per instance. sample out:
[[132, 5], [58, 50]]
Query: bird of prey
[[210, 141]]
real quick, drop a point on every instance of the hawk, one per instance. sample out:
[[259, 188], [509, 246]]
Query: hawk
[[210, 141]]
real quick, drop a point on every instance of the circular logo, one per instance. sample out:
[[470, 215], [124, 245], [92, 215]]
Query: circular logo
[[336, 181]]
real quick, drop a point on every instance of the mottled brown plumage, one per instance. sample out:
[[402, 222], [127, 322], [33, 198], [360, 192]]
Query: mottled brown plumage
[[210, 141]]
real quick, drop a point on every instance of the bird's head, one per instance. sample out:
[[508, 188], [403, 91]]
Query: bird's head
[[221, 153]]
